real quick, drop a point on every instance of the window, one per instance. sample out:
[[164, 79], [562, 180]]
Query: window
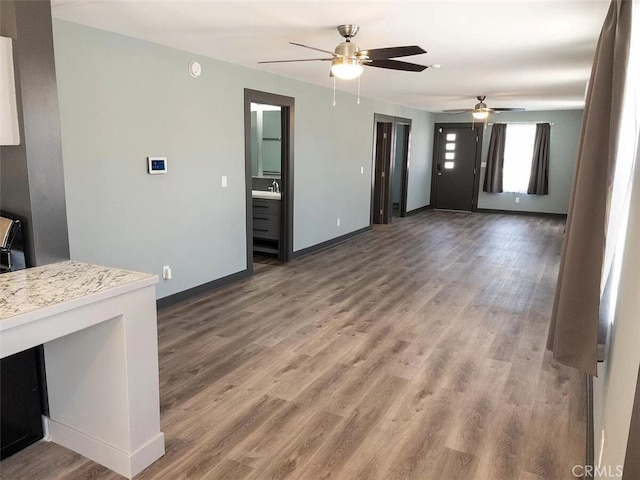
[[620, 201], [518, 155]]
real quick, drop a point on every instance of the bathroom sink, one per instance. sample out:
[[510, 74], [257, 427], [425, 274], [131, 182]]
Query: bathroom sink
[[265, 195]]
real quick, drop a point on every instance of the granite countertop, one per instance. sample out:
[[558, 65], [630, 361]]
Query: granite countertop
[[28, 290]]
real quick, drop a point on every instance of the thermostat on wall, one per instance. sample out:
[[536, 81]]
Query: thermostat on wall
[[157, 165]]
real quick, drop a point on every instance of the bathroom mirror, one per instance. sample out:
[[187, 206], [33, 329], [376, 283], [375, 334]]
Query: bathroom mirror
[[266, 140]]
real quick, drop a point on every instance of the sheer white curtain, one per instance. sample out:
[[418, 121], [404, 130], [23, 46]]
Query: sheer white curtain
[[518, 155], [620, 188]]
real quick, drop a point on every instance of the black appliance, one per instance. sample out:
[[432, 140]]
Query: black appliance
[[21, 400]]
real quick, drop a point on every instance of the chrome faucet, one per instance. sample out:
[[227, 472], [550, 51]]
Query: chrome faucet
[[275, 187]]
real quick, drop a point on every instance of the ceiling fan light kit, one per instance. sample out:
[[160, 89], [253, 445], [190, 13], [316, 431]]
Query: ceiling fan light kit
[[480, 114], [345, 64], [346, 68]]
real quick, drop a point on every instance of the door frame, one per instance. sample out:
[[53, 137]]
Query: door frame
[[390, 167], [479, 127], [286, 175]]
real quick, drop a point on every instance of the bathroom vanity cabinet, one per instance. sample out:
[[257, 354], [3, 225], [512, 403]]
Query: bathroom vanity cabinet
[[266, 225]]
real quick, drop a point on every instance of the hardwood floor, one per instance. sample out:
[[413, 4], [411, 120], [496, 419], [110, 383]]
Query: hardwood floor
[[415, 351]]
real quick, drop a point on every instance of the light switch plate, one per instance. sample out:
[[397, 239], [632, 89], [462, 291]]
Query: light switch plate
[[224, 181]]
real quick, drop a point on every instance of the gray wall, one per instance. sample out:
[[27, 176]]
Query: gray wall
[[31, 174], [123, 99], [565, 133]]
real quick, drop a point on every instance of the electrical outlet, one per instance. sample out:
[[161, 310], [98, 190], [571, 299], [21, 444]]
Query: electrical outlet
[[517, 199], [166, 272], [338, 222], [224, 181]]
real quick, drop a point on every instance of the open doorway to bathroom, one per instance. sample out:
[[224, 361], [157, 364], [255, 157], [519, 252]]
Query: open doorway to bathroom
[[268, 128]]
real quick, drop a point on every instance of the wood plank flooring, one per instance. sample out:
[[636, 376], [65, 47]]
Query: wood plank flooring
[[415, 351]]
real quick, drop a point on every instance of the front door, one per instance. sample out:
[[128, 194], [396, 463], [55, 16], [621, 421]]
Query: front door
[[456, 166]]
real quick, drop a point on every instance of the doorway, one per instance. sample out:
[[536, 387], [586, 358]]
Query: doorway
[[268, 132], [390, 168], [455, 178], [399, 174]]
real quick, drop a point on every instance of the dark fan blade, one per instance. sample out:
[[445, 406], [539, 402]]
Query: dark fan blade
[[396, 65], [312, 48], [301, 60], [508, 109], [392, 52], [458, 110]]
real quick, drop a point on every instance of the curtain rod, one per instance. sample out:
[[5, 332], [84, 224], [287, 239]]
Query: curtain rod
[[523, 123]]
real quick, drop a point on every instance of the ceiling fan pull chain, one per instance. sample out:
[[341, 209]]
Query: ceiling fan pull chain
[[334, 91]]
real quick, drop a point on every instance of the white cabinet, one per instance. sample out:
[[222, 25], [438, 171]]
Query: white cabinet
[[9, 130]]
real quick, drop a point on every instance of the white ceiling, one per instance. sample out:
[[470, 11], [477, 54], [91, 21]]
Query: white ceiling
[[534, 54]]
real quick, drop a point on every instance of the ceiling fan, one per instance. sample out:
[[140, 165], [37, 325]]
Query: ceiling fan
[[348, 59], [481, 111]]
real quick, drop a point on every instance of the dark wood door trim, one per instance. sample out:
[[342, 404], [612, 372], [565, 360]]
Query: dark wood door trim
[[286, 175], [479, 127]]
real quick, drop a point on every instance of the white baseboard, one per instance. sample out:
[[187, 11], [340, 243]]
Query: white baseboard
[[46, 436], [127, 464]]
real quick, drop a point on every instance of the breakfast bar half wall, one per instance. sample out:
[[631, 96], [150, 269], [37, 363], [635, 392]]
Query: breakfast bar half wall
[[99, 330]]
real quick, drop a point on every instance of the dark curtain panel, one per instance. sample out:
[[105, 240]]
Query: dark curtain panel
[[539, 177], [495, 159], [573, 331]]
